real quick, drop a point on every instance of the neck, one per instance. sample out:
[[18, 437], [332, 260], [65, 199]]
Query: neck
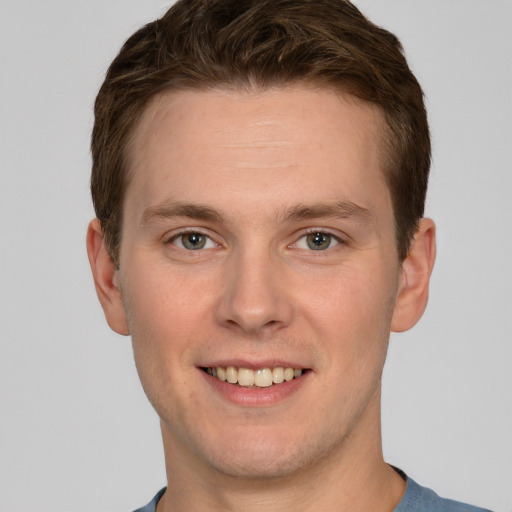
[[351, 477]]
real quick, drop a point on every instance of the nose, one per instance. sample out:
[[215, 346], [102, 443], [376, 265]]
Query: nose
[[253, 297]]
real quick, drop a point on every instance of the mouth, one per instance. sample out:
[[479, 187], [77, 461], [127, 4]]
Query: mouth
[[258, 378]]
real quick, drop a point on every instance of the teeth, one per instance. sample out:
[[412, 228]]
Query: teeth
[[261, 378], [231, 374], [278, 375], [245, 377]]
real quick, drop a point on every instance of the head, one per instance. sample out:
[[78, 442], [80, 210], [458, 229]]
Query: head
[[251, 45], [259, 173]]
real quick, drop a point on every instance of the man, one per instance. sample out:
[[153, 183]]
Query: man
[[259, 178]]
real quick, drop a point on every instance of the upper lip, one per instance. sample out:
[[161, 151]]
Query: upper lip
[[253, 365]]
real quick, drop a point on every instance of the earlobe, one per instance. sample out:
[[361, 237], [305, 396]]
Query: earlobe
[[413, 287], [106, 279]]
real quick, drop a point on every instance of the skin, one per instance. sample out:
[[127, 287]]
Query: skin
[[258, 172]]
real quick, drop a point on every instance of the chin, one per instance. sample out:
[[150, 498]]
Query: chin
[[262, 466], [264, 458]]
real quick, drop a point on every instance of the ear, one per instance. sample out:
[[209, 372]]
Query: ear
[[412, 295], [106, 279]]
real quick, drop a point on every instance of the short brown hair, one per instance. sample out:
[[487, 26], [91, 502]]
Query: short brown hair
[[200, 44]]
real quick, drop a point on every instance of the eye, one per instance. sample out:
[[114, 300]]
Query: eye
[[317, 241], [193, 241]]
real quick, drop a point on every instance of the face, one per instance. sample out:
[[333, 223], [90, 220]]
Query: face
[[258, 236]]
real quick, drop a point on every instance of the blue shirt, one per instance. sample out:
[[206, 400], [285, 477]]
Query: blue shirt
[[420, 499], [415, 499]]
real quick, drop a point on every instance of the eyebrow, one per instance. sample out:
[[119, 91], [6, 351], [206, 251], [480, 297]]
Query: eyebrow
[[176, 209], [340, 210]]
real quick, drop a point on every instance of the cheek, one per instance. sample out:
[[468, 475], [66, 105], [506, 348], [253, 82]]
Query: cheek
[[351, 314], [165, 315], [159, 300], [352, 296], [164, 329]]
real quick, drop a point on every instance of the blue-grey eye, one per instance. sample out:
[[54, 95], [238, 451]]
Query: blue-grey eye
[[317, 241], [193, 241]]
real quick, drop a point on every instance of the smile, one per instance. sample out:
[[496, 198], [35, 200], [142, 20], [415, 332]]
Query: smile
[[261, 378]]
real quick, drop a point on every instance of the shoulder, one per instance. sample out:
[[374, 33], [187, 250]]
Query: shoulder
[[422, 499], [151, 506], [415, 499]]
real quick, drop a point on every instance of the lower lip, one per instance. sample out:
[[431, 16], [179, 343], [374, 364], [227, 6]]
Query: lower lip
[[254, 396]]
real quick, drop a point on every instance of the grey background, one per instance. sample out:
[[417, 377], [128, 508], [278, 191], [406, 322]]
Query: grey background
[[76, 432]]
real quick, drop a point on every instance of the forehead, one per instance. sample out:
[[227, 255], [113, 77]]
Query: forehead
[[260, 110], [259, 144]]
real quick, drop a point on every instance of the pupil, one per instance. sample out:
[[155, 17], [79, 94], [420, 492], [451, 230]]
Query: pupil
[[318, 241], [194, 241]]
